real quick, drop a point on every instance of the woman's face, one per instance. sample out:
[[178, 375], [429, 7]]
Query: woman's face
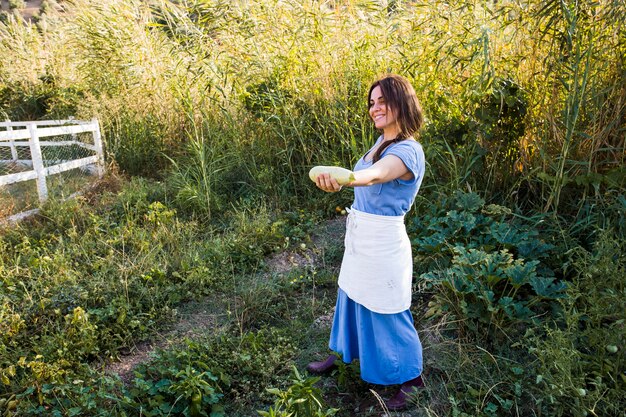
[[384, 117]]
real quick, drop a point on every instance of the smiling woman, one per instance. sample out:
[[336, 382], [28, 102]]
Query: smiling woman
[[373, 321], [395, 110]]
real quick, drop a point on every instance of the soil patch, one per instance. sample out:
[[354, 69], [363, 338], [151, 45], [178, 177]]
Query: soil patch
[[196, 318], [329, 233]]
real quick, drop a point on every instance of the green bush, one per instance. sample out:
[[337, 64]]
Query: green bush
[[173, 391], [491, 292], [16, 4], [515, 337], [491, 271], [580, 353]]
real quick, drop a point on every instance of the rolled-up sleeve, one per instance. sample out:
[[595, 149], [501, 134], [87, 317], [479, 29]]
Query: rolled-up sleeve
[[412, 155]]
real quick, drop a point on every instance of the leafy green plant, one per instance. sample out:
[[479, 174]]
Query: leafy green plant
[[464, 219], [491, 291], [349, 375], [489, 271], [252, 360], [161, 391], [300, 399]]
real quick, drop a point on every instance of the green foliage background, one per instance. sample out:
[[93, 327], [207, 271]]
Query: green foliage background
[[222, 107]]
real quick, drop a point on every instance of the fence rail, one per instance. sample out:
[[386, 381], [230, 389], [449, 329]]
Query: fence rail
[[34, 136]]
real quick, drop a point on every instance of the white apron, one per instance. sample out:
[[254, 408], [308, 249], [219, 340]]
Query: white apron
[[377, 266]]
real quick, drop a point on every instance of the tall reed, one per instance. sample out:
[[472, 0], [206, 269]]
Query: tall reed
[[583, 47], [521, 100]]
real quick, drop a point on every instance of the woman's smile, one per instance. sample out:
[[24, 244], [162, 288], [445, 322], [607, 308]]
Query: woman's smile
[[384, 118]]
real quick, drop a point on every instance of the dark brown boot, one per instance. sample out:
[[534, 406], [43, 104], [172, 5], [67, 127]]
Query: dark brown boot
[[398, 401], [323, 366]]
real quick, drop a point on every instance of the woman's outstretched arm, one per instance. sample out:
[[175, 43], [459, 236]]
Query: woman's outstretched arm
[[386, 169]]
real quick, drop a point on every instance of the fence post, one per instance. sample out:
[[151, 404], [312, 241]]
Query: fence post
[[11, 143], [35, 152], [74, 137], [97, 142]]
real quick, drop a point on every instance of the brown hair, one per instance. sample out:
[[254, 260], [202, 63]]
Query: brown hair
[[400, 97]]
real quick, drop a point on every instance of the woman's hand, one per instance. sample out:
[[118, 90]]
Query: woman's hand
[[327, 183]]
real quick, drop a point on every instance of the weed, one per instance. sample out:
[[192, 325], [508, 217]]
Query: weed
[[301, 398], [580, 354]]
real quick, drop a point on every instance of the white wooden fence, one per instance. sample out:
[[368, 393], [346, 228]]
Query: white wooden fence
[[30, 134]]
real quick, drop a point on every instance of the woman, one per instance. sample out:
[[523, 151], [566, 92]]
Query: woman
[[372, 319]]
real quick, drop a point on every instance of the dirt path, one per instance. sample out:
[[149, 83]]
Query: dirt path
[[195, 320], [198, 318]]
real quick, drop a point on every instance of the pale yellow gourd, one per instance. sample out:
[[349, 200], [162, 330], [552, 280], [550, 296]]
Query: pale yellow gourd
[[341, 175]]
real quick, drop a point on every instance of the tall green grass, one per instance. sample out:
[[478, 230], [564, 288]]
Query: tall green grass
[[519, 98]]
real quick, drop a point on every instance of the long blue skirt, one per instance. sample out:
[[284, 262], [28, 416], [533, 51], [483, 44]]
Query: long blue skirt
[[387, 345]]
